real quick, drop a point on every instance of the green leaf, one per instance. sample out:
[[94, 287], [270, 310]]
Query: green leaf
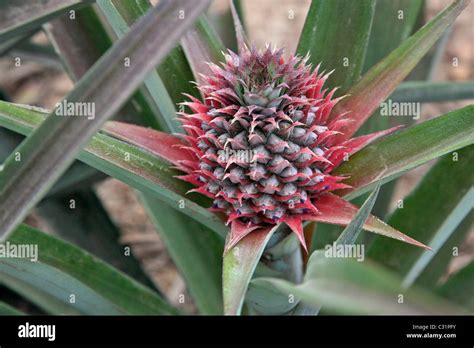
[[7, 45], [146, 172], [432, 213], [345, 286], [106, 86], [154, 85], [423, 271], [239, 265], [196, 251], [77, 176], [347, 237], [427, 66], [394, 21], [405, 17], [351, 232], [201, 46], [6, 309], [407, 149], [21, 16], [240, 34], [324, 234], [220, 21], [174, 71], [400, 16], [423, 92], [63, 270], [90, 228], [43, 55], [177, 74], [336, 34], [267, 300], [79, 42], [439, 264], [379, 82], [460, 287], [282, 260], [138, 168]]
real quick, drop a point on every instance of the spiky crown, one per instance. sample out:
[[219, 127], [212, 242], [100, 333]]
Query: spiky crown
[[263, 140]]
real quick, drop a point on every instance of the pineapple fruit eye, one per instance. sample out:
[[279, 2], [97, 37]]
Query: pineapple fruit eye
[[279, 115]]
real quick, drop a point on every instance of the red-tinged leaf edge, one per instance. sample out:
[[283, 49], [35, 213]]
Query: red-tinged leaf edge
[[356, 144], [382, 79], [164, 145], [337, 211], [238, 231], [295, 223]]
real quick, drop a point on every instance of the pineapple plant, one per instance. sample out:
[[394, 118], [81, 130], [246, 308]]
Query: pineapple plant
[[277, 113], [258, 167]]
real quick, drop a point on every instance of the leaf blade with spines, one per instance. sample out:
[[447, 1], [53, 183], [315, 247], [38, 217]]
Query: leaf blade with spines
[[400, 16]]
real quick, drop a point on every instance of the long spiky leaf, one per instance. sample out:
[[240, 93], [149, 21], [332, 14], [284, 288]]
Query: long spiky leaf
[[377, 84]]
